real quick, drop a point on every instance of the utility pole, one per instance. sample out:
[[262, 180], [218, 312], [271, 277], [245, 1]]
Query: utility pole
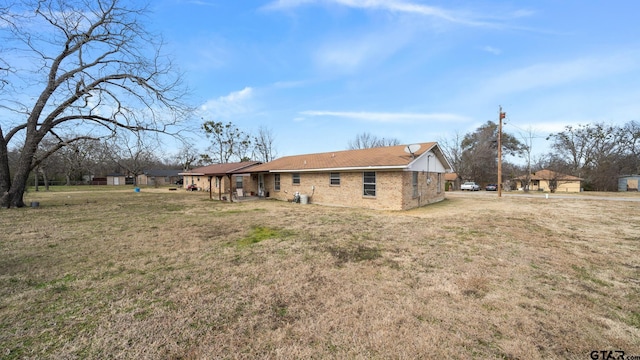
[[501, 116]]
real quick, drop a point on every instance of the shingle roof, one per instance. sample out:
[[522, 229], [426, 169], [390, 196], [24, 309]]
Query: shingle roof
[[380, 157], [549, 175], [450, 176], [220, 169]]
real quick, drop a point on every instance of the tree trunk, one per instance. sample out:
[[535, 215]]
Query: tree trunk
[[46, 181], [14, 194], [5, 175], [14, 197], [35, 176]]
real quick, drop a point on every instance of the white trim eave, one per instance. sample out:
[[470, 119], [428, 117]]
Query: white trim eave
[[192, 174], [428, 151], [360, 168]]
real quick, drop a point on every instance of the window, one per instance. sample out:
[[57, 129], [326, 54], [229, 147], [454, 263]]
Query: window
[[334, 179], [276, 182], [238, 182], [414, 182], [295, 178], [439, 183], [369, 183]]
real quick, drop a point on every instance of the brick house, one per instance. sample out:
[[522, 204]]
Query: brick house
[[383, 178], [549, 180]]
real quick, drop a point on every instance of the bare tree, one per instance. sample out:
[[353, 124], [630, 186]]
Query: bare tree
[[187, 157], [264, 145], [132, 153], [84, 65], [367, 140], [227, 142], [452, 149], [526, 137], [593, 152], [630, 160]]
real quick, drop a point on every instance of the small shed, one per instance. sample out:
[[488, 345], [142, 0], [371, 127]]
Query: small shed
[[628, 182], [116, 179]]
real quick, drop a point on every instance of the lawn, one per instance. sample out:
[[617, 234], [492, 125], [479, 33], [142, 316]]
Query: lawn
[[165, 274]]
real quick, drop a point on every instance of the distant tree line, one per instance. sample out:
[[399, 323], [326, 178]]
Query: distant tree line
[[133, 153], [597, 153], [367, 140], [81, 160]]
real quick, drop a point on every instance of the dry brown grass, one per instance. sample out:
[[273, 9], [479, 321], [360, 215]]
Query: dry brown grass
[[172, 275]]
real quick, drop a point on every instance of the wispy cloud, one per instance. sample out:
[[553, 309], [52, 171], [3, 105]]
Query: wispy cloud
[[350, 54], [395, 6], [226, 106], [387, 117], [492, 50]]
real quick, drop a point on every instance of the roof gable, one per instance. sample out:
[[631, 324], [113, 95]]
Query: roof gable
[[379, 157]]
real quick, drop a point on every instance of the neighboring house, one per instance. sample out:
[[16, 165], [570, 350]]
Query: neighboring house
[[222, 179], [384, 178], [548, 180], [452, 180], [159, 177], [628, 182]]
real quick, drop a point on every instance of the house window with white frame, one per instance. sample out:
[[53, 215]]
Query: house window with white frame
[[334, 179], [439, 189], [238, 182], [414, 183], [276, 182], [295, 178], [369, 183]]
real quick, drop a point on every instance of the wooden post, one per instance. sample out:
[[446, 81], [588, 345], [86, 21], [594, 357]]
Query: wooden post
[[210, 188]]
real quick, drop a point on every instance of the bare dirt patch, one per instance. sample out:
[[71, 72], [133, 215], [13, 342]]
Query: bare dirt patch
[[161, 274]]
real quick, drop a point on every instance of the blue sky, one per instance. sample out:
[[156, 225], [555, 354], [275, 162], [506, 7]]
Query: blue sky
[[319, 72]]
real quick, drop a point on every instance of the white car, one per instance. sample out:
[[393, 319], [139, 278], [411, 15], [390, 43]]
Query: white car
[[470, 185]]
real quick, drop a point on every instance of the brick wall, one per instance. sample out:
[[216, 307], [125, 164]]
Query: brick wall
[[394, 190], [427, 192]]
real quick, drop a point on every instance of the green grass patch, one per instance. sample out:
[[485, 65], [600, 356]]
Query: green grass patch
[[634, 319], [261, 233], [583, 274]]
